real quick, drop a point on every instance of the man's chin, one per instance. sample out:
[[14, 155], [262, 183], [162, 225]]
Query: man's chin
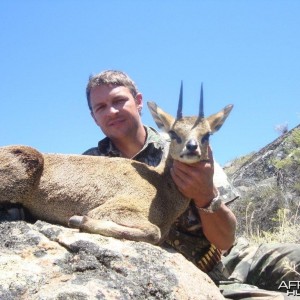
[[117, 133]]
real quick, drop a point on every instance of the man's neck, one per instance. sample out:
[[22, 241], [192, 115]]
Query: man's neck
[[130, 145]]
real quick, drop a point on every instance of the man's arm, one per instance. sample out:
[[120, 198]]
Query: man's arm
[[195, 181]]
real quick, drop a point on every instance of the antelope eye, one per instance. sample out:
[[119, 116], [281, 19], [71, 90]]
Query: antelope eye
[[205, 138], [174, 136]]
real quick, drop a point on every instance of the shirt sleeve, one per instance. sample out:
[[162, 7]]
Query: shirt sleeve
[[92, 151]]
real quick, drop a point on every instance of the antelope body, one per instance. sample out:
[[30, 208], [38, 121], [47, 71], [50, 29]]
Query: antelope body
[[115, 197]]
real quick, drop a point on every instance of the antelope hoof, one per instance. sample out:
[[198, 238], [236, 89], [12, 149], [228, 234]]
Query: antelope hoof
[[75, 221]]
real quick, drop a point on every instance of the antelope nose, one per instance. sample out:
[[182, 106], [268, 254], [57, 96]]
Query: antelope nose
[[192, 145]]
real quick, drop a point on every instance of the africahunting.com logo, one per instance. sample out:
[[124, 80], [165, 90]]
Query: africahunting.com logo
[[292, 288]]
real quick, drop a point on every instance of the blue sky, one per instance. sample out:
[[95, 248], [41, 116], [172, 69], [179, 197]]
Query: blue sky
[[245, 52]]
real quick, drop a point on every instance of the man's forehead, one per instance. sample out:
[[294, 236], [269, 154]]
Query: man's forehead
[[105, 92], [119, 90]]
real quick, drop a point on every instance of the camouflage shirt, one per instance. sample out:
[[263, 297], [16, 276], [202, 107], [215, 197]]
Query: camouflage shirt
[[151, 154], [186, 234]]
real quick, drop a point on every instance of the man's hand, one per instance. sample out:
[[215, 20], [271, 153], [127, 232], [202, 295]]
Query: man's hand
[[195, 181]]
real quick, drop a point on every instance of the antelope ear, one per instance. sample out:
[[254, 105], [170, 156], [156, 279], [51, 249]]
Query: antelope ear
[[163, 120], [217, 120]]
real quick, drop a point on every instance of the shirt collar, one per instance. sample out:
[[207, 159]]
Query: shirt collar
[[107, 148]]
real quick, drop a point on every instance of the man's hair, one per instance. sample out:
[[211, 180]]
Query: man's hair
[[110, 77]]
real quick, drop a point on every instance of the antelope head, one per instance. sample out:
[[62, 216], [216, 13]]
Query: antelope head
[[189, 135]]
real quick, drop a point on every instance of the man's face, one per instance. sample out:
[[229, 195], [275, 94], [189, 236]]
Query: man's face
[[115, 110]]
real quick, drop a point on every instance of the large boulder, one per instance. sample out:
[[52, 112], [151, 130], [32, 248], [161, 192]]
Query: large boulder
[[44, 261]]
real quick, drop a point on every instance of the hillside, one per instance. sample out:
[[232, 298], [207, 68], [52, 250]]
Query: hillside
[[269, 185]]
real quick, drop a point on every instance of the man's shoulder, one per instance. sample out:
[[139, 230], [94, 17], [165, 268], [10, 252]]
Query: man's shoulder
[[92, 151], [103, 149], [156, 137]]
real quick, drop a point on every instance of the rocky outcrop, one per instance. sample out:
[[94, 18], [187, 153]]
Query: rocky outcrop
[[268, 182], [44, 261], [262, 164]]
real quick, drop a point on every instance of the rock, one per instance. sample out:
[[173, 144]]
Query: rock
[[260, 165], [44, 261]]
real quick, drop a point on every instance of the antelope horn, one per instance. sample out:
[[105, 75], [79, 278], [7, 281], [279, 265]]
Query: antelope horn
[[179, 110], [201, 111]]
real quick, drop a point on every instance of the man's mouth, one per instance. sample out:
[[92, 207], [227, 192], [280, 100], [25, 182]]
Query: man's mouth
[[115, 122]]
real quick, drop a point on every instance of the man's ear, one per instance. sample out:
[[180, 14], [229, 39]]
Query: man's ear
[[139, 102]]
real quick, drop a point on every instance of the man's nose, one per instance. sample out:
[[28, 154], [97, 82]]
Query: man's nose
[[112, 110]]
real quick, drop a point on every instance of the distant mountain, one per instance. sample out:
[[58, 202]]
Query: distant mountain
[[269, 184]]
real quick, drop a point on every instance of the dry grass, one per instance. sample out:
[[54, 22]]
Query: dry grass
[[287, 230]]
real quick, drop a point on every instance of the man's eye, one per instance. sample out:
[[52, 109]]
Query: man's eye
[[120, 101], [174, 136], [205, 138], [99, 107]]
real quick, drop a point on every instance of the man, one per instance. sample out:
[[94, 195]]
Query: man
[[115, 105]]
